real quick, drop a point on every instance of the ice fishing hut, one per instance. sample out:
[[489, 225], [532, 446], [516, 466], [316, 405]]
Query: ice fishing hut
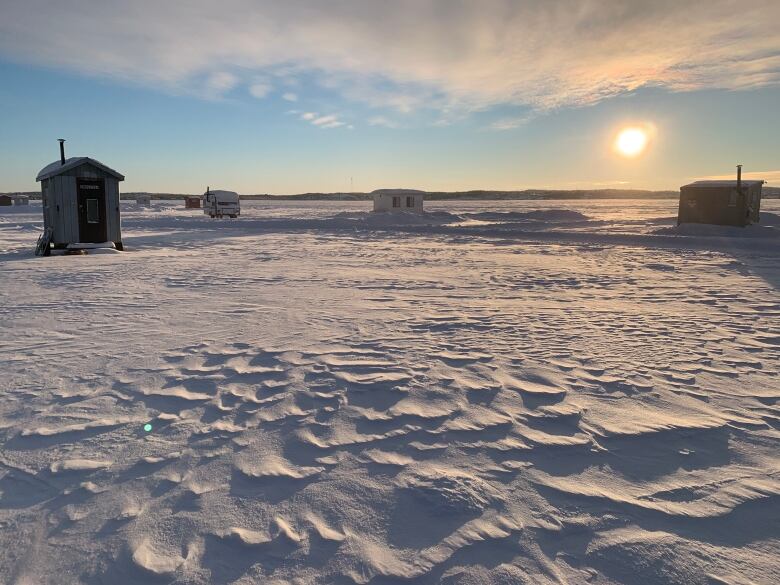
[[21, 200], [398, 200], [80, 199], [5, 200], [192, 202], [143, 200], [721, 202]]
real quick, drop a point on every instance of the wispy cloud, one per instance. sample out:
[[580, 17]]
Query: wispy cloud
[[382, 121], [290, 97], [219, 83], [510, 123], [260, 89], [410, 54], [329, 121]]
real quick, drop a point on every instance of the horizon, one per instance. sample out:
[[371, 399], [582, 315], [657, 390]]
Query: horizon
[[311, 98]]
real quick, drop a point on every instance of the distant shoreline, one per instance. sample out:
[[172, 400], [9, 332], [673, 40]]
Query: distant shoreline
[[526, 195]]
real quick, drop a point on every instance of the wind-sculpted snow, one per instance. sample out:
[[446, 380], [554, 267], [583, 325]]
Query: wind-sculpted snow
[[509, 393], [540, 215]]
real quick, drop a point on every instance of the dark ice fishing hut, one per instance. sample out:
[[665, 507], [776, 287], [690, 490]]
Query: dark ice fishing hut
[[721, 202], [80, 199]]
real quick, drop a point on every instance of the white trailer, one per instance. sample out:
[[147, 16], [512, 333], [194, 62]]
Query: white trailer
[[218, 203]]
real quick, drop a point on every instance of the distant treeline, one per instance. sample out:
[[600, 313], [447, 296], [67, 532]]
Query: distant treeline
[[528, 194]]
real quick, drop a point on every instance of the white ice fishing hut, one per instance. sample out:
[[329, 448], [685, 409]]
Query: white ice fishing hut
[[80, 199], [398, 200], [21, 200]]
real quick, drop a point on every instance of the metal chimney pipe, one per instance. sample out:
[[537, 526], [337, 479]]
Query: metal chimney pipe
[[739, 179], [62, 150]]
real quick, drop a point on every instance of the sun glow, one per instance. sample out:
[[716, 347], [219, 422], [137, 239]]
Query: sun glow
[[632, 142]]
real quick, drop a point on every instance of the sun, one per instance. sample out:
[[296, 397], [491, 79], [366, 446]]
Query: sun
[[631, 142]]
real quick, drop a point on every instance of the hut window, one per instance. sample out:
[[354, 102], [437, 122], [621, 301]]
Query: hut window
[[733, 199], [93, 215], [410, 201], [396, 202]]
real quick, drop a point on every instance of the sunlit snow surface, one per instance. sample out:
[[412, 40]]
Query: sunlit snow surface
[[495, 392]]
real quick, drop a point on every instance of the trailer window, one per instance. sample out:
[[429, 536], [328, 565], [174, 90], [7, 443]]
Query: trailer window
[[733, 199], [410, 201], [396, 202]]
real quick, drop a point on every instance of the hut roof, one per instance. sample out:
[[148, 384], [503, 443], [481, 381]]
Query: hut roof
[[720, 184], [397, 192], [57, 167]]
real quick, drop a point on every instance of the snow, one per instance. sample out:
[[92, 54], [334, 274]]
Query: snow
[[488, 392]]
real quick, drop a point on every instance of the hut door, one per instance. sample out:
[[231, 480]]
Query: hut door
[[92, 210]]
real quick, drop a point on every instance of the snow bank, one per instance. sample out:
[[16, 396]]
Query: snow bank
[[394, 218], [539, 215]]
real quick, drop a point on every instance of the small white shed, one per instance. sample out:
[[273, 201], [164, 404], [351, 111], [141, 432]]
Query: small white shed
[[21, 200], [398, 200]]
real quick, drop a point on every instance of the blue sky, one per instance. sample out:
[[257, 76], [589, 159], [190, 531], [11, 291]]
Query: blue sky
[[263, 98]]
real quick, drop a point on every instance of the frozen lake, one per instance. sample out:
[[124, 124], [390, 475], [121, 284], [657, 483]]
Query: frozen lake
[[495, 392]]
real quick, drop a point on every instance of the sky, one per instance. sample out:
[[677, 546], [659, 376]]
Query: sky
[[262, 96]]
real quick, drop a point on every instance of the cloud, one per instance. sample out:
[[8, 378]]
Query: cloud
[[219, 83], [260, 89], [329, 121], [290, 97], [410, 54], [510, 123], [324, 120], [382, 121]]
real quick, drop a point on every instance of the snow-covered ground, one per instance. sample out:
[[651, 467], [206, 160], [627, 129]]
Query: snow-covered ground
[[497, 392]]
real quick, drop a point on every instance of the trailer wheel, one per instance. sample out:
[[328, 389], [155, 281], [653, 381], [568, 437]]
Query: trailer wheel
[[234, 216]]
